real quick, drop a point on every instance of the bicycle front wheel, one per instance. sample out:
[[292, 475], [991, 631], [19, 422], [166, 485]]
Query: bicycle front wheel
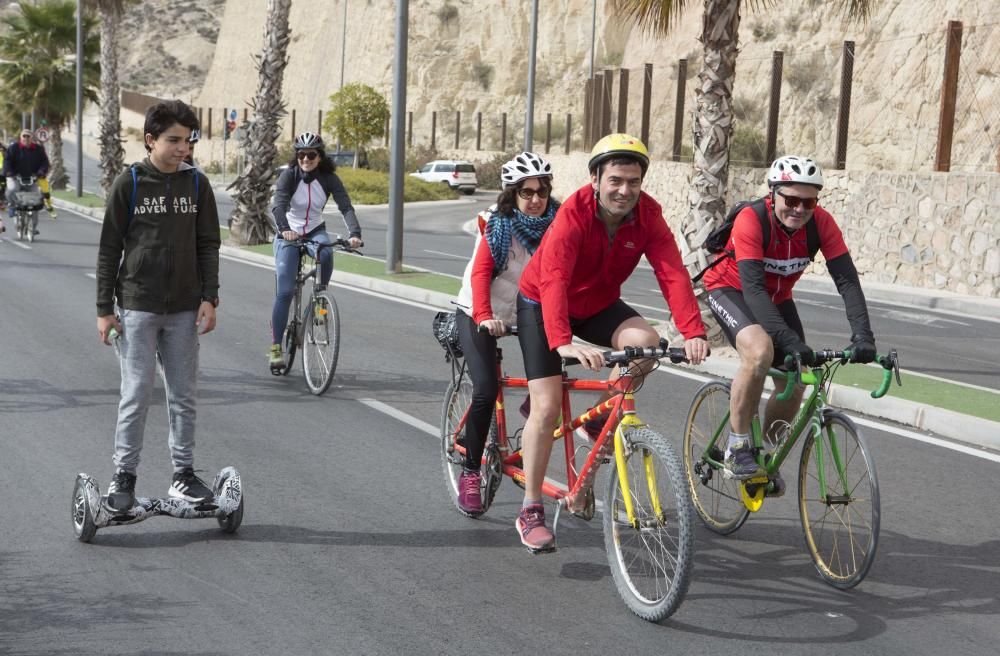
[[839, 501], [716, 498], [454, 413], [650, 558], [321, 342]]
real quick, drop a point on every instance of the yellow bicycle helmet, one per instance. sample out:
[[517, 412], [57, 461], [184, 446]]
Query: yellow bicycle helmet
[[619, 145]]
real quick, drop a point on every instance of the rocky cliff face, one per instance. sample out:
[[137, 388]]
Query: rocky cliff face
[[471, 55]]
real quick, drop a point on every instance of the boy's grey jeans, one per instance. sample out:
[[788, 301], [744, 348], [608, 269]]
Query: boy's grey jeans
[[175, 338]]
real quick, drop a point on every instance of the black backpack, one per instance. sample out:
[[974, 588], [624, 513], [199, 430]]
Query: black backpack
[[718, 239]]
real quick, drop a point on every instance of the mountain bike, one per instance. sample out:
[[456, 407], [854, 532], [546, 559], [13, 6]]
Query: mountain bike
[[315, 326], [839, 504], [647, 513]]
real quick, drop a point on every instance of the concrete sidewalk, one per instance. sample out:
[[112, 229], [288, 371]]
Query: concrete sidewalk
[[723, 363]]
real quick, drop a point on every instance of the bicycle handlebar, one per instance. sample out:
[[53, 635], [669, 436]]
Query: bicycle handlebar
[[507, 330], [613, 358], [888, 362], [339, 244]]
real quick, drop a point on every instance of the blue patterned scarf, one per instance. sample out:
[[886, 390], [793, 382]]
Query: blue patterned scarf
[[527, 229]]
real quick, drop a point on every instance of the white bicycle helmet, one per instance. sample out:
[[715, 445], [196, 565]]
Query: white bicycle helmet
[[308, 140], [792, 169], [524, 165]]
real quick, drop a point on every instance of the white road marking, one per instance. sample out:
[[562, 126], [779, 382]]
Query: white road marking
[[402, 416], [457, 257], [16, 243], [91, 274]]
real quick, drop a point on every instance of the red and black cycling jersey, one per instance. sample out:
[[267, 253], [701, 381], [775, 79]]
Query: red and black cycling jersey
[[785, 258]]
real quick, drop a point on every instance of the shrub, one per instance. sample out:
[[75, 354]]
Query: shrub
[[488, 170], [446, 13], [367, 187], [747, 147], [483, 73]]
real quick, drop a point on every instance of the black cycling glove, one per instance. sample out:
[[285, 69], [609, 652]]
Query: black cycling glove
[[862, 348], [806, 354]]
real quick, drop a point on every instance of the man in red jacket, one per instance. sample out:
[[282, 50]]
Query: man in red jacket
[[572, 286]]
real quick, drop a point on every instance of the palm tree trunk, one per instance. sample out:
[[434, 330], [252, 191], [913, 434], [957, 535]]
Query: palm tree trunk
[[58, 178], [250, 222], [713, 126], [112, 153]]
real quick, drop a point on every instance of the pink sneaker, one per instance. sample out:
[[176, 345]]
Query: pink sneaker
[[531, 527], [470, 499]]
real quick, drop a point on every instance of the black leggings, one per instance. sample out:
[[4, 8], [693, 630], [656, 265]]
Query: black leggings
[[480, 351]]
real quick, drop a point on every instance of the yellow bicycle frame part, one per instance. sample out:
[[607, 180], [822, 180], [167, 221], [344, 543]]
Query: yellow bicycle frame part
[[631, 419]]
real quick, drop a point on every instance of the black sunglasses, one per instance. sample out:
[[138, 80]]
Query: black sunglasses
[[791, 202], [306, 155], [526, 193]]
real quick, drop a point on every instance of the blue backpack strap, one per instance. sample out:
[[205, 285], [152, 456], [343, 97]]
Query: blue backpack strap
[[135, 192]]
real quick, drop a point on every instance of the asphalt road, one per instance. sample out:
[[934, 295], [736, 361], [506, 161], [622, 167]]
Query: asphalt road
[[349, 544]]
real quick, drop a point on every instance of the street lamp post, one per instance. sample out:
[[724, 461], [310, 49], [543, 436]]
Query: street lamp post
[[529, 114], [79, 98]]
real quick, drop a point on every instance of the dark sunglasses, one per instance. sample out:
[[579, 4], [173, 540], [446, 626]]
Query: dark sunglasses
[[791, 202], [304, 155], [525, 194]]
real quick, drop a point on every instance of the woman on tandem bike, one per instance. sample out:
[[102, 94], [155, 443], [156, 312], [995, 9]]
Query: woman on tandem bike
[[510, 232], [299, 198]]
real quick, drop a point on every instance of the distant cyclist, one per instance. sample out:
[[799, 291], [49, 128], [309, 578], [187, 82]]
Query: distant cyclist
[[572, 287], [299, 198], [26, 158], [750, 295], [509, 233]]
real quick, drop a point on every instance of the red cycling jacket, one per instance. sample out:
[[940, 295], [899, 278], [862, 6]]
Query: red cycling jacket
[[578, 269], [785, 258]]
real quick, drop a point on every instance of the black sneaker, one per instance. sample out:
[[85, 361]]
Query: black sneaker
[[121, 492], [189, 487], [740, 463]]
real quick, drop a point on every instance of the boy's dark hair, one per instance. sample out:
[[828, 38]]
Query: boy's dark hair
[[326, 164], [162, 116]]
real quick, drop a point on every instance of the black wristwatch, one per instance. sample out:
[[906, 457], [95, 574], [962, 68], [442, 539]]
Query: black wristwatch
[[214, 300]]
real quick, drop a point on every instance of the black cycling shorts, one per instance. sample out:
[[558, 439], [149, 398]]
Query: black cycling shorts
[[733, 315], [540, 361]]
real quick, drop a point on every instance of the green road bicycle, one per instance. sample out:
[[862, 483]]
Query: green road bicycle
[[838, 486]]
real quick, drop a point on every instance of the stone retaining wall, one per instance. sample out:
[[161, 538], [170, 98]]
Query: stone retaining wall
[[936, 231]]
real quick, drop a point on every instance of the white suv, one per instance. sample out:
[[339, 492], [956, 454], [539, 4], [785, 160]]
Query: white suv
[[457, 174]]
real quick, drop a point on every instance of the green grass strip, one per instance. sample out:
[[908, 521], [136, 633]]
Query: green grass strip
[[373, 268], [928, 391], [87, 200]]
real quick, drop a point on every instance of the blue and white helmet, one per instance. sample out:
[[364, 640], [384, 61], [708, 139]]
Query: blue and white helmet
[[524, 165]]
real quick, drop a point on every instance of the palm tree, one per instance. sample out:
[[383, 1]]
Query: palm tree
[[112, 153], [250, 222], [37, 44], [713, 119]]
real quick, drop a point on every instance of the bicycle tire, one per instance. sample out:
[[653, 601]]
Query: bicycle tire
[[320, 342], [291, 341], [457, 399], [651, 565], [841, 529], [716, 498]]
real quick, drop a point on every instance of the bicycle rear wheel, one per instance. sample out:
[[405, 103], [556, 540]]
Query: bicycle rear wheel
[[650, 560], [841, 525], [457, 399], [321, 342], [716, 498]]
